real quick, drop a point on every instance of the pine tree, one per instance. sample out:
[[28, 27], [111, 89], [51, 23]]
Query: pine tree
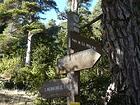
[[121, 25]]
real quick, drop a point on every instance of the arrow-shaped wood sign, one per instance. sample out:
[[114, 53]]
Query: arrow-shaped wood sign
[[78, 61], [58, 88]]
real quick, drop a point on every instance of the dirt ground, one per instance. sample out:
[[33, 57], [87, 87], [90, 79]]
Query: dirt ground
[[15, 97]]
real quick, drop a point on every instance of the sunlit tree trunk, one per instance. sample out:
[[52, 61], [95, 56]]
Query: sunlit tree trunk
[[121, 25], [28, 52]]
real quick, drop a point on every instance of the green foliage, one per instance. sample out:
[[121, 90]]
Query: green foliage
[[48, 44], [34, 27], [2, 8], [9, 64], [97, 30], [94, 82], [30, 76], [92, 31], [7, 44], [31, 7], [58, 101], [16, 12]]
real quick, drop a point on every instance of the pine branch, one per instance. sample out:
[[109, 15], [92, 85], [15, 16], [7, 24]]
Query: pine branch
[[93, 21]]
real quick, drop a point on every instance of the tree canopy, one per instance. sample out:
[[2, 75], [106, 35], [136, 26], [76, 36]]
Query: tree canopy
[[29, 49]]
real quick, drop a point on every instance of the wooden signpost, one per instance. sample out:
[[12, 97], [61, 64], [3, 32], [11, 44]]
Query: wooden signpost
[[86, 58], [73, 22], [58, 88], [73, 27], [78, 61], [74, 62]]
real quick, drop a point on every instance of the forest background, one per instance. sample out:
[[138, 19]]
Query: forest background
[[20, 19]]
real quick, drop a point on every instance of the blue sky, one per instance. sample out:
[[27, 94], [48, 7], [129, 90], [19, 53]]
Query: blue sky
[[62, 5]]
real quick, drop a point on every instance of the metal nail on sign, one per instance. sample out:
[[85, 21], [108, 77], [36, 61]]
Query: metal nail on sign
[[78, 61]]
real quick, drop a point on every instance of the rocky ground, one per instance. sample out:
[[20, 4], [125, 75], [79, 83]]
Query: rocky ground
[[15, 97]]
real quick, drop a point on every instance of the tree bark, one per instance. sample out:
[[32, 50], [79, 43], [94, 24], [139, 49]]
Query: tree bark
[[121, 40], [28, 52]]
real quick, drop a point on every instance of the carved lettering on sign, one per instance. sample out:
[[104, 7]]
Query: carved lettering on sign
[[58, 88], [80, 43]]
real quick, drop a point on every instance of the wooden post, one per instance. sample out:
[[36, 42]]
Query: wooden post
[[71, 98], [73, 20], [70, 74]]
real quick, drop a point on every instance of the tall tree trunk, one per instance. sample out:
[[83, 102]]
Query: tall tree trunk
[[121, 25], [28, 52]]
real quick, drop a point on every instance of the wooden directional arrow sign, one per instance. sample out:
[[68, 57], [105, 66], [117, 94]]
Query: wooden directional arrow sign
[[78, 61], [58, 88], [79, 43]]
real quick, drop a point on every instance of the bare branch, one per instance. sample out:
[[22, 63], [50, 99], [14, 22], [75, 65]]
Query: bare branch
[[93, 21]]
